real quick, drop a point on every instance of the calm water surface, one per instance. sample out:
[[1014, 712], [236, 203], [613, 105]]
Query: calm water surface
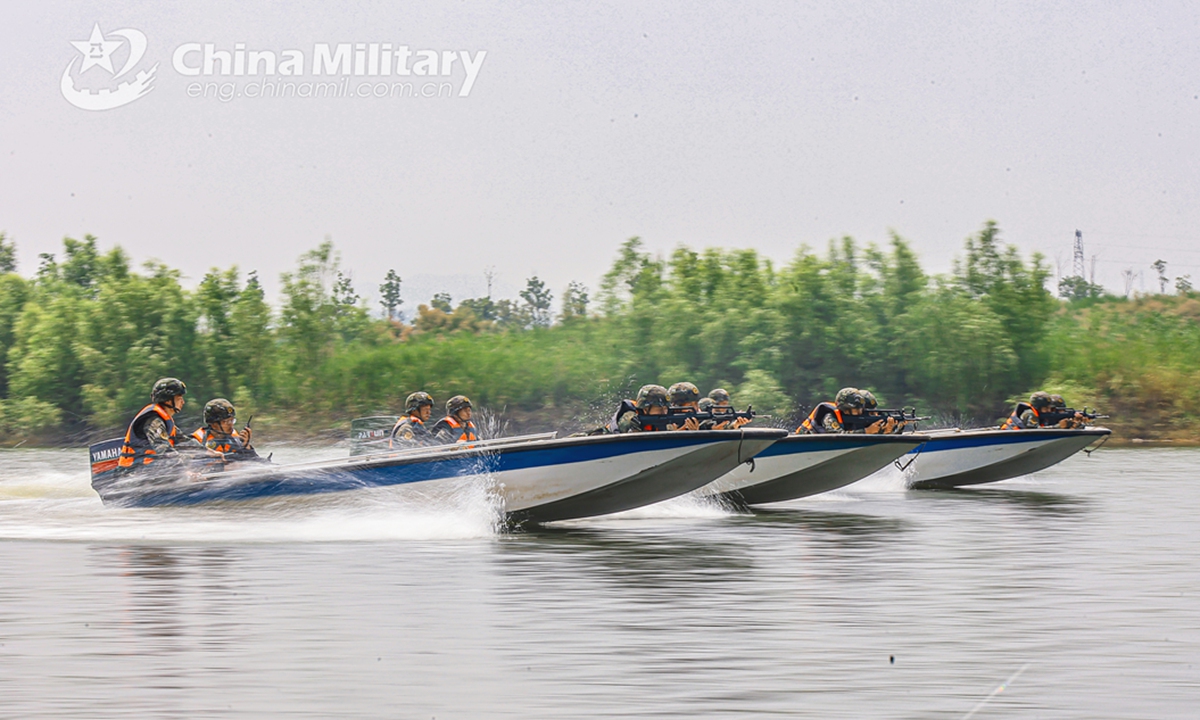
[[1068, 594]]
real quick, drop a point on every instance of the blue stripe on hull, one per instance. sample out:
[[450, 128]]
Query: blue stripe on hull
[[796, 444], [998, 437]]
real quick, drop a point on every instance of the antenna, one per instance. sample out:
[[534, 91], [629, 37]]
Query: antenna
[[1080, 268]]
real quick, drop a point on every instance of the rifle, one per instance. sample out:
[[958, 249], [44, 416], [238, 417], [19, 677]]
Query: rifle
[[677, 416], [1054, 417], [902, 416]]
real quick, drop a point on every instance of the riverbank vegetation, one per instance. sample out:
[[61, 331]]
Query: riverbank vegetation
[[83, 338]]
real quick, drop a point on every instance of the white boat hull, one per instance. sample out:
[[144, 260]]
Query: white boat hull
[[953, 458], [803, 465]]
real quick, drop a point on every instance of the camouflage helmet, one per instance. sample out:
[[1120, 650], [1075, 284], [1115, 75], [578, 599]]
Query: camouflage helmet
[[683, 392], [720, 395], [848, 398], [417, 400], [1057, 401], [869, 401], [1041, 400], [166, 389], [217, 410], [651, 396], [706, 404], [458, 402]]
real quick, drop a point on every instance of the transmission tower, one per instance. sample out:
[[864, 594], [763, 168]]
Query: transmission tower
[[1079, 264]]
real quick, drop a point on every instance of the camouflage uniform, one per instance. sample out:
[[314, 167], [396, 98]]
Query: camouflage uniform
[[410, 430], [830, 424]]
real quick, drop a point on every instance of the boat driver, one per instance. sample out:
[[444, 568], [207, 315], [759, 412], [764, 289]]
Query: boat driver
[[150, 438], [410, 430]]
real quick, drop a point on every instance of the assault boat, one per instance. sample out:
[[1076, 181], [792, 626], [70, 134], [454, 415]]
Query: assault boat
[[801, 465], [953, 458], [537, 480]]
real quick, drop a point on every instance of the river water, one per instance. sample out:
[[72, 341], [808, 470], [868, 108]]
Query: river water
[[1074, 593]]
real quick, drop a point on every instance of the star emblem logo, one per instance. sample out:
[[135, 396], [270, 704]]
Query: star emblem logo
[[96, 50]]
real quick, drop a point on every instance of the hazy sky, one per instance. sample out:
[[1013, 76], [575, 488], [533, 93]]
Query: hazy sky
[[734, 124]]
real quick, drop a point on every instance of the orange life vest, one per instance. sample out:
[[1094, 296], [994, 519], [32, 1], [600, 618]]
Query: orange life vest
[[137, 449], [815, 423], [229, 443], [466, 431]]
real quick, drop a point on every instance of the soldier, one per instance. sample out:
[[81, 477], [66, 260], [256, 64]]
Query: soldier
[[1058, 404], [456, 427], [887, 425], [719, 397], [705, 404], [410, 430], [150, 439], [1028, 415], [827, 417], [685, 397], [225, 443], [651, 400]]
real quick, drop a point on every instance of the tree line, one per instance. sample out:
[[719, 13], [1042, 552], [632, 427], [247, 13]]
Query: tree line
[[84, 337]]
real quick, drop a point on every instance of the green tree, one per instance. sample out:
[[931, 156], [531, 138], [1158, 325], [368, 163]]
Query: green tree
[[1160, 266], [217, 296], [253, 346], [8, 255], [389, 291], [956, 353], [1077, 288], [537, 299], [14, 293], [575, 302]]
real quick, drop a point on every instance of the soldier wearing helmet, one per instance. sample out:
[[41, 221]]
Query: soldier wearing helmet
[[886, 425], [410, 430], [456, 427], [719, 398], [150, 438], [685, 398], [651, 400], [827, 417], [1028, 415], [1058, 405], [220, 438]]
